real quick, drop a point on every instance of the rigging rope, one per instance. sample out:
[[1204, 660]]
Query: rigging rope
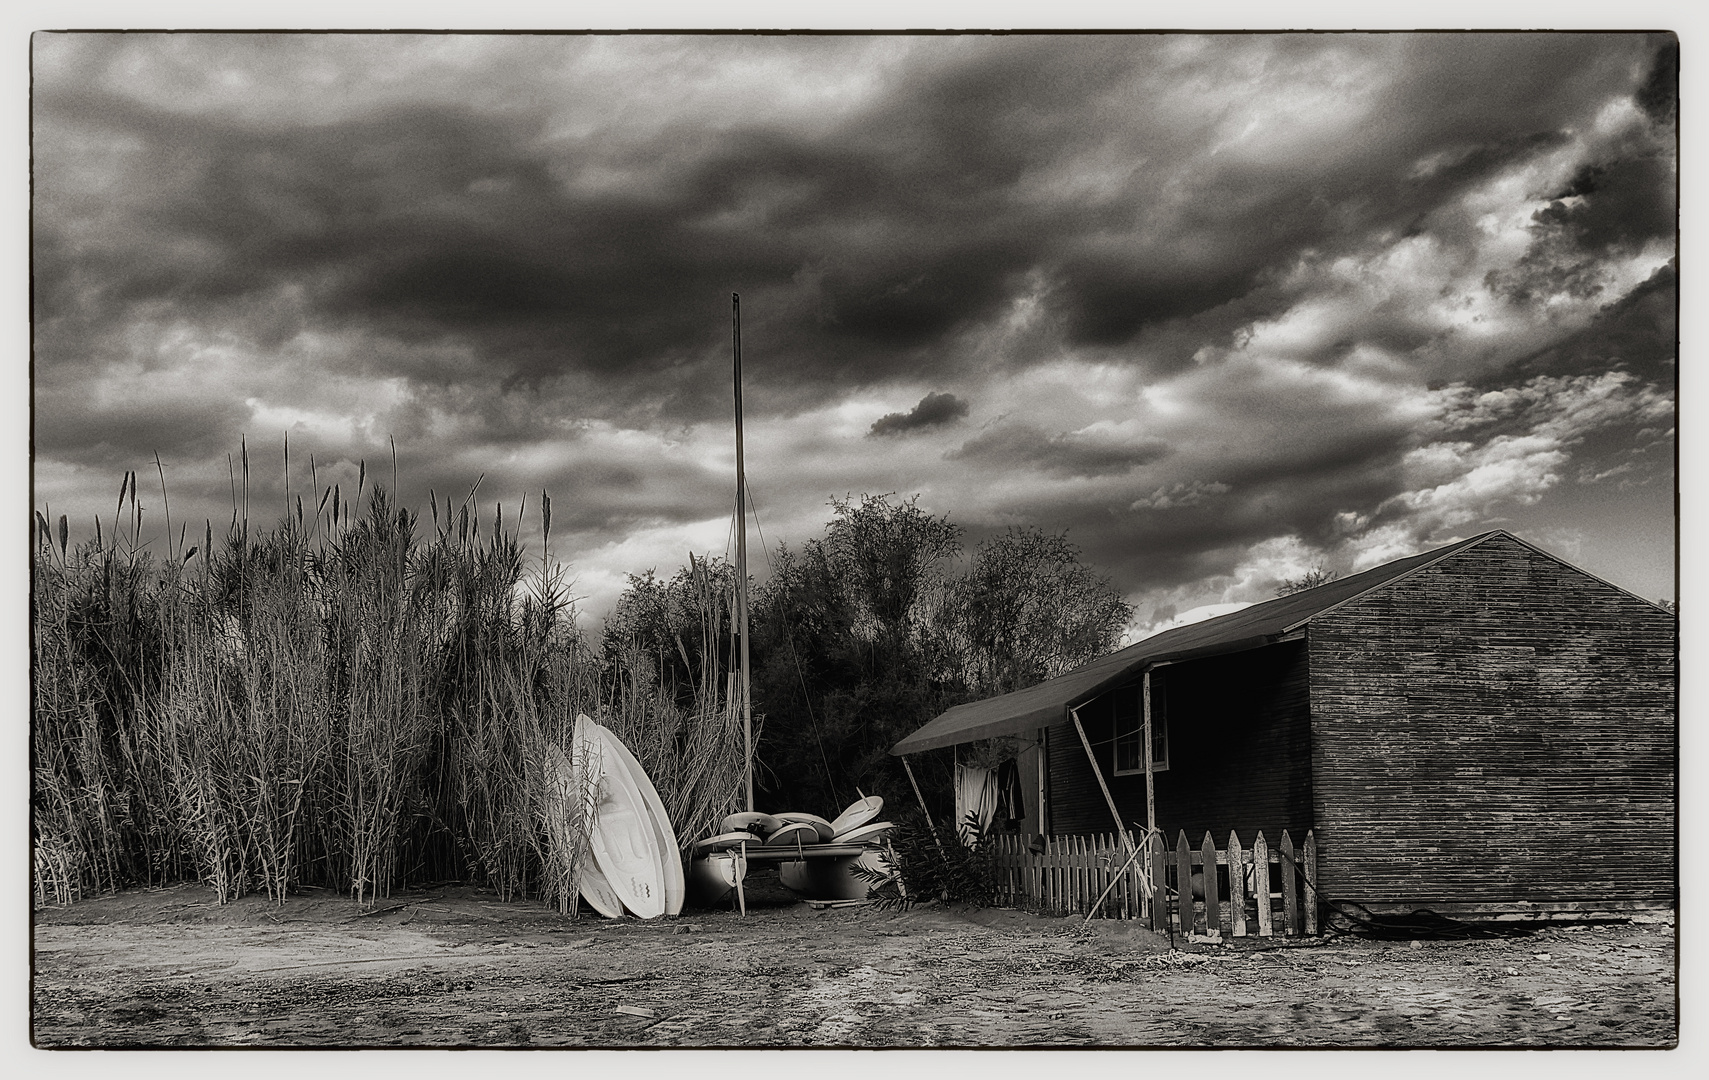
[[790, 638]]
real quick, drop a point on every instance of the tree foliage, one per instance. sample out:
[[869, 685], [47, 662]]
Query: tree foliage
[[1311, 579], [1029, 610], [866, 632]]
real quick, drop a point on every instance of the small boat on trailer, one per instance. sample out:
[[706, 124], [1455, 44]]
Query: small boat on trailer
[[834, 876]]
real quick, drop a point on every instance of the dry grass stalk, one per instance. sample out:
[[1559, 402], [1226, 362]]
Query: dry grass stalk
[[340, 702]]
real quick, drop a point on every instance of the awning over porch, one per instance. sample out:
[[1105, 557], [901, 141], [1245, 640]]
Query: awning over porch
[[1027, 710]]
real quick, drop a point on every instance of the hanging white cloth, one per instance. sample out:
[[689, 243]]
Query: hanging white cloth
[[975, 800]]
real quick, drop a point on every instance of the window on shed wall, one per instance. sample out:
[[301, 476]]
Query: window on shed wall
[[1130, 730]]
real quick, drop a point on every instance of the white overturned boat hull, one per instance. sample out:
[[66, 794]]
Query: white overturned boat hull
[[712, 877], [824, 878]]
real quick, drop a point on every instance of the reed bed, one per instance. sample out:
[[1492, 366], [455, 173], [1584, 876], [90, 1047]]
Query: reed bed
[[355, 699]]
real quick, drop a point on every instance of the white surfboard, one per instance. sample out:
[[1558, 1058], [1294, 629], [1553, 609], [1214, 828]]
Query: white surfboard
[[867, 834], [793, 833], [623, 838], [750, 821], [589, 762], [598, 892], [663, 833], [857, 814], [820, 825], [725, 841]]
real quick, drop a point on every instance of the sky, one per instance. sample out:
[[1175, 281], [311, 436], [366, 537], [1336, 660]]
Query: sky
[[1222, 307]]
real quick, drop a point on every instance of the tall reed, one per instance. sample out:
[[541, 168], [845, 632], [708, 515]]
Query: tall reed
[[355, 699]]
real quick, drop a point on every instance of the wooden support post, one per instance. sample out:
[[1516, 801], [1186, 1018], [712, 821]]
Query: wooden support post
[[916, 786], [742, 872], [1053, 874], [1150, 786], [1044, 781], [1047, 875], [1310, 897], [1092, 760]]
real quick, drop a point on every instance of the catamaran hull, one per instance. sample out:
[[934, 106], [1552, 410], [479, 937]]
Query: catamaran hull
[[712, 878]]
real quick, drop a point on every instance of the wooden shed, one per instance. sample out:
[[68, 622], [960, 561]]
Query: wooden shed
[[1482, 729]]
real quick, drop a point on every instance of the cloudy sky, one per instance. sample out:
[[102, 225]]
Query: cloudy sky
[[1222, 307]]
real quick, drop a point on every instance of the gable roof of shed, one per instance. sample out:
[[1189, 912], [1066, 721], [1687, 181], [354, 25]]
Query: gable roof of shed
[[1261, 624]]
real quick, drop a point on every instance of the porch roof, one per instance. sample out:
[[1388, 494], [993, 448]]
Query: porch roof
[[1261, 624]]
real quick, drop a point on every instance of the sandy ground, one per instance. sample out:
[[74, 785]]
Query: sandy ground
[[170, 967]]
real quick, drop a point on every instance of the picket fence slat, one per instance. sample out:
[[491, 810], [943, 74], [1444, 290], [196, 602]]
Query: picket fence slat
[[1159, 896], [1236, 887], [1213, 905], [1080, 882], [1183, 883], [1058, 880], [1091, 856], [1110, 875], [1261, 883], [1290, 896], [1072, 868]]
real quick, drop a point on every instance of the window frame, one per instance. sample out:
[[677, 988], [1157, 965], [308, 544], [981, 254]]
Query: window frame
[[1159, 731]]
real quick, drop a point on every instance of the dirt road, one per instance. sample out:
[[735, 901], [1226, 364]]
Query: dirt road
[[172, 968]]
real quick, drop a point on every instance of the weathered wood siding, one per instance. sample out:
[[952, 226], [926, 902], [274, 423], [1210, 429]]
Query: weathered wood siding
[[1497, 729], [1239, 749], [1076, 805], [1239, 746]]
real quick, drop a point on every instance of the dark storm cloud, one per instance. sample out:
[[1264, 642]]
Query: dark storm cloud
[[1639, 332], [934, 410], [109, 435], [1659, 96], [893, 232], [1609, 207], [422, 224], [534, 276], [1023, 445]]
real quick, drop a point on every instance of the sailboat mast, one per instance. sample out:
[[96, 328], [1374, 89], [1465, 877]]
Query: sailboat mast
[[742, 560]]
